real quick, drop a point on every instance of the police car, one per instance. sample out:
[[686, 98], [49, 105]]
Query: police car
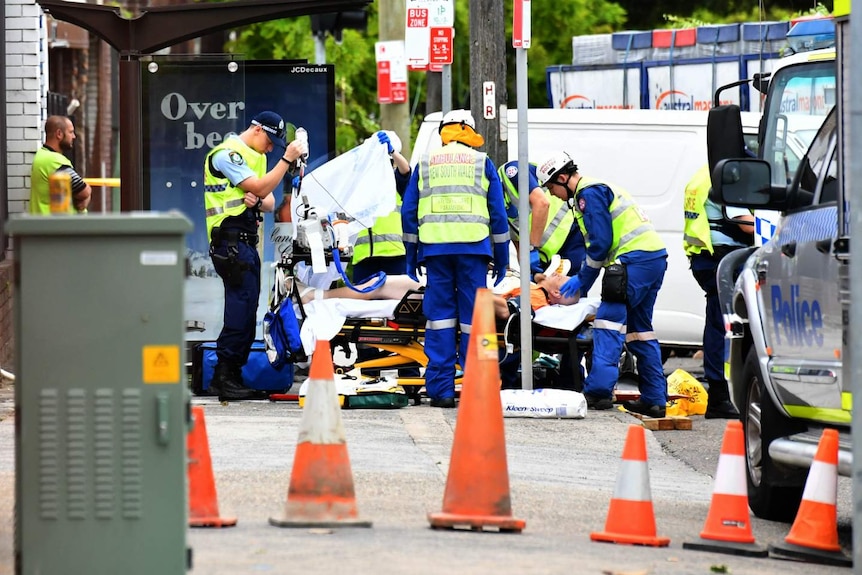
[[785, 302]]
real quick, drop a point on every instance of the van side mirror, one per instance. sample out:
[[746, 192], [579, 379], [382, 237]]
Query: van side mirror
[[747, 183]]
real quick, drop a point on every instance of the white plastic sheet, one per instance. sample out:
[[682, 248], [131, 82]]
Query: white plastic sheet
[[359, 183]]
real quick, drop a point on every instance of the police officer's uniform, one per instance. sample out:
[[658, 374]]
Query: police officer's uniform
[[708, 236], [232, 229]]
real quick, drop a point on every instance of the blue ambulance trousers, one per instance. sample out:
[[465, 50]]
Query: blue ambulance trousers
[[448, 306], [634, 319]]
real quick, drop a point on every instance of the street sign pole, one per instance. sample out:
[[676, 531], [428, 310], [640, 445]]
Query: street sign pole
[[521, 41]]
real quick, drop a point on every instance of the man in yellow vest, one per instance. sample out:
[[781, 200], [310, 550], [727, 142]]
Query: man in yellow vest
[[622, 240], [454, 223], [237, 188], [49, 159], [381, 247], [709, 234]]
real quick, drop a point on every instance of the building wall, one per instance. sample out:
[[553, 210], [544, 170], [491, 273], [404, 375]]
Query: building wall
[[26, 91]]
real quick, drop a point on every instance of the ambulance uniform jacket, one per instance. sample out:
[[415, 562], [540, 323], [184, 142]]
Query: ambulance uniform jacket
[[454, 222], [225, 167], [617, 230], [561, 235]]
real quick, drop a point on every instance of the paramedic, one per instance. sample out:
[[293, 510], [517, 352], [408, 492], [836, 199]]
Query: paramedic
[[49, 159], [709, 234], [454, 222], [622, 240], [561, 235], [381, 247], [237, 188]]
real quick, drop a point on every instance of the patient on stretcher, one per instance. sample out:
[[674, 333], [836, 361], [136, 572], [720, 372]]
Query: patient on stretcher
[[544, 291]]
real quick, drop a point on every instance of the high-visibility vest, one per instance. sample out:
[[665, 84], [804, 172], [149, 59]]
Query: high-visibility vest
[[45, 163], [632, 228], [558, 226], [453, 196], [383, 239], [696, 227], [221, 198]]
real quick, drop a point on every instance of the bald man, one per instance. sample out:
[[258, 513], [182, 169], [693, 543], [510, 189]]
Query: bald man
[[59, 138]]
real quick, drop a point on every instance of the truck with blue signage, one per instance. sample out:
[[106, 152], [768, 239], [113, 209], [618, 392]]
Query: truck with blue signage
[[786, 303]]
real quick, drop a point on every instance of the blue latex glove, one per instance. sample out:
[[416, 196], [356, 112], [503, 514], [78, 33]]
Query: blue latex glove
[[384, 139], [412, 263], [571, 287], [501, 262], [295, 182], [535, 263]]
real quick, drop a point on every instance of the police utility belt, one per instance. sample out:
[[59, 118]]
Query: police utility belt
[[232, 237]]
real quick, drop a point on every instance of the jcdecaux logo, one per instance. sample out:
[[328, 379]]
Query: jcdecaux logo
[[799, 321]]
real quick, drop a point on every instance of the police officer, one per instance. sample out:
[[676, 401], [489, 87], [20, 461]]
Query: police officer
[[553, 230], [709, 234], [620, 239], [381, 247], [454, 222], [237, 188]]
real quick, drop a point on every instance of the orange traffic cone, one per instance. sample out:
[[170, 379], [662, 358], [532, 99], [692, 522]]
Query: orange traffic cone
[[477, 485], [203, 501], [814, 534], [321, 483], [630, 517], [728, 524]]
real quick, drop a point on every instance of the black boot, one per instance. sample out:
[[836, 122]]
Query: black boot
[[718, 405], [227, 382]]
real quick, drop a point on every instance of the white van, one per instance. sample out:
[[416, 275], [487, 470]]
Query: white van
[[650, 153]]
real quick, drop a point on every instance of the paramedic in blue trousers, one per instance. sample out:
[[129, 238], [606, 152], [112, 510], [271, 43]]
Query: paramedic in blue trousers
[[381, 247], [622, 240], [709, 234], [237, 188], [553, 230], [454, 222]]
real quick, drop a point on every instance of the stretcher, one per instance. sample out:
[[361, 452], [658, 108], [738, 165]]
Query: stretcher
[[398, 328]]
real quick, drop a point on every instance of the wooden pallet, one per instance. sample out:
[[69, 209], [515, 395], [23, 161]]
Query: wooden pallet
[[664, 423]]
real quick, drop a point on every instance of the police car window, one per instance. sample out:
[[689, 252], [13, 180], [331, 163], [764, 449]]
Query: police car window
[[820, 155], [829, 193]]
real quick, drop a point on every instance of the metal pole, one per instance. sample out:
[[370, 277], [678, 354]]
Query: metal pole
[[131, 102], [523, 221], [848, 52], [446, 104], [320, 49]]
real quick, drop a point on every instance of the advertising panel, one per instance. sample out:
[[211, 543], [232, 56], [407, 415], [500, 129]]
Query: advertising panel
[[191, 105]]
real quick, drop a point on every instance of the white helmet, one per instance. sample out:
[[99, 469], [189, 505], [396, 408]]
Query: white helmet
[[463, 117], [560, 162]]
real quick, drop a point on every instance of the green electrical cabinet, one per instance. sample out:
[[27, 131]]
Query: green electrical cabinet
[[101, 401]]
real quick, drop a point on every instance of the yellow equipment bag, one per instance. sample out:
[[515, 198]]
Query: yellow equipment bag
[[680, 382]]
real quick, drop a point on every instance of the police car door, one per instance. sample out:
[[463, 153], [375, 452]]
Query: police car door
[[799, 290]]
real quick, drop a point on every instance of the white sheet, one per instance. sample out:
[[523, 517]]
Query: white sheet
[[327, 317]]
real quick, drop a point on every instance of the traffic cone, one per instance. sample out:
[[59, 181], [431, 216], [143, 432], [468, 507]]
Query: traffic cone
[[203, 501], [630, 516], [728, 524], [321, 483], [477, 485], [814, 534]]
